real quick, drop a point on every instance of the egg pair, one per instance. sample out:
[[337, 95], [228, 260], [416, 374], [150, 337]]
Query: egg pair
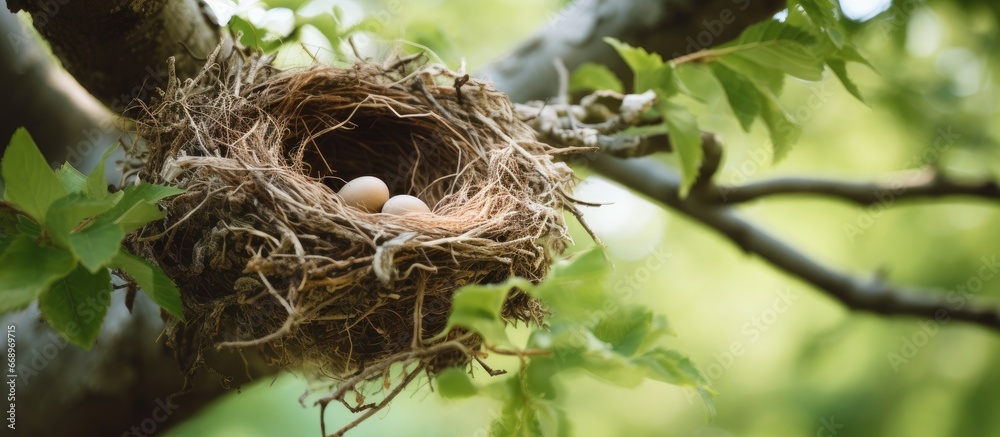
[[370, 194]]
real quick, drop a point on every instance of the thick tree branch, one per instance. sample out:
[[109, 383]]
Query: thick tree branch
[[66, 122], [921, 184], [662, 184], [67, 391], [117, 49]]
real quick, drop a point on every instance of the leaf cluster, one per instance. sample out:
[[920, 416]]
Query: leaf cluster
[[60, 232], [751, 71], [589, 331]]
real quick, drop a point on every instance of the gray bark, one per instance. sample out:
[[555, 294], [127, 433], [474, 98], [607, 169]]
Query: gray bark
[[117, 49], [66, 121], [128, 379]]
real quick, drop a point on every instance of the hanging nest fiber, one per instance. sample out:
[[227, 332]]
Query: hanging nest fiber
[[265, 253]]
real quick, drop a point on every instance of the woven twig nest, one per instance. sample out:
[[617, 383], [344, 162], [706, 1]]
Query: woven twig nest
[[267, 255]]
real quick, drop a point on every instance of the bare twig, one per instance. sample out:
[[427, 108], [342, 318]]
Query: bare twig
[[925, 183], [662, 184], [381, 405]]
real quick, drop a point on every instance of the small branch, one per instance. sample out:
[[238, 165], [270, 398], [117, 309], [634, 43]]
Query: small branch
[[633, 147], [711, 160], [662, 184], [926, 183], [605, 115], [381, 405]]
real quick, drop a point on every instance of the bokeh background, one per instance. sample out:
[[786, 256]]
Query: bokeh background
[[805, 365]]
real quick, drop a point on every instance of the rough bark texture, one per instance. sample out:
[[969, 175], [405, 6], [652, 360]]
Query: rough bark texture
[[669, 27], [126, 379], [65, 121], [117, 49]]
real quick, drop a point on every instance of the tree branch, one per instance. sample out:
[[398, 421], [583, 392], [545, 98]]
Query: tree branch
[[596, 124], [65, 121], [920, 184], [117, 49], [662, 184]]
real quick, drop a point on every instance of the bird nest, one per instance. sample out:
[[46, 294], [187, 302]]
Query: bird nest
[[265, 253]]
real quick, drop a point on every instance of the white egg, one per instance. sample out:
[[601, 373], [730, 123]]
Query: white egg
[[368, 193], [403, 204]]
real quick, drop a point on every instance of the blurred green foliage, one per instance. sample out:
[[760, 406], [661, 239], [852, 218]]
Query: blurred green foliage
[[785, 359]]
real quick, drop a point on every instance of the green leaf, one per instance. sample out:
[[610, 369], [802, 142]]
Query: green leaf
[[792, 59], [67, 213], [774, 44], [75, 305], [328, 24], [590, 76], [253, 36], [72, 180], [784, 131], [740, 92], [525, 416], [138, 206], [27, 270], [697, 82], [673, 368], [575, 346], [153, 281], [764, 77], [772, 30], [539, 378], [551, 419], [851, 54], [824, 14], [839, 68], [575, 287], [651, 73], [591, 265], [141, 213], [598, 358], [685, 137], [477, 307], [288, 4], [149, 192], [631, 330], [31, 184], [454, 383], [97, 185], [28, 227], [95, 246]]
